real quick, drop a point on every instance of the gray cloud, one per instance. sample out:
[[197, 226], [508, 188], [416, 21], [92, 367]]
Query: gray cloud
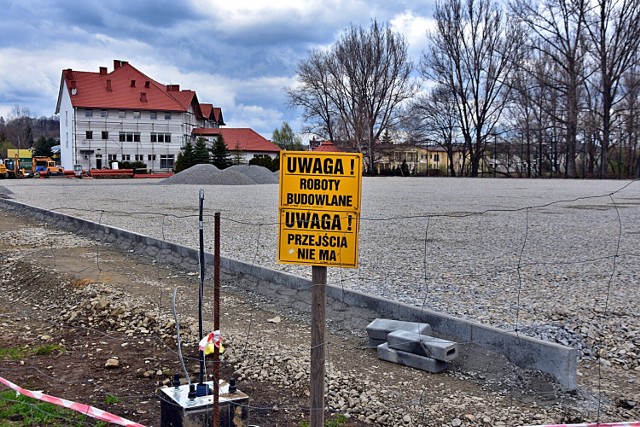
[[237, 55]]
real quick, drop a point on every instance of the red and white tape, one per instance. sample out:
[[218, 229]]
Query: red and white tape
[[630, 424], [78, 407]]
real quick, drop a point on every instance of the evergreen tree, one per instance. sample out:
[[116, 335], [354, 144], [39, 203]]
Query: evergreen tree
[[43, 146], [185, 158], [201, 154], [386, 137], [238, 158], [220, 156]]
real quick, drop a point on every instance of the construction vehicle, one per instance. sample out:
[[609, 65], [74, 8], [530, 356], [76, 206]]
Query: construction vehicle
[[45, 166], [10, 168]]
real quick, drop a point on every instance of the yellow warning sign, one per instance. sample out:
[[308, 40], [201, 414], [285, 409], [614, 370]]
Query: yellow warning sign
[[320, 195]]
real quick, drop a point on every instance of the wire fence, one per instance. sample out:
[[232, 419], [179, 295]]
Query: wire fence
[[557, 265]]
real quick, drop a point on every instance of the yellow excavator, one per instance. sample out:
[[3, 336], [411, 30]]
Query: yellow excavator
[[44, 165], [10, 168]]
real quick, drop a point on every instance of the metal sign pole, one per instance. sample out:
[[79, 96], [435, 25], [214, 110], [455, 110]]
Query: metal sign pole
[[318, 317], [216, 320]]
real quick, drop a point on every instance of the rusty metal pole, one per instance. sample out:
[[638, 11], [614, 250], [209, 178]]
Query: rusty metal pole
[[318, 316], [216, 320]]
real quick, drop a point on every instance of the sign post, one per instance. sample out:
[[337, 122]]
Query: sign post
[[319, 218]]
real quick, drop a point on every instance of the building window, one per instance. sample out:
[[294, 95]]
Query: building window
[[136, 114], [126, 157], [167, 115], [139, 157], [89, 134], [151, 158], [160, 137], [88, 113], [105, 134], [104, 113], [166, 161], [122, 114], [153, 115], [112, 157], [129, 136]]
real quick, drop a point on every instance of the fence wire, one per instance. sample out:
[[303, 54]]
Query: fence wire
[[562, 270]]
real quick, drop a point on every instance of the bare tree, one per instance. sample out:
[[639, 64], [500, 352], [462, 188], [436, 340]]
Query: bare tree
[[355, 90], [630, 111], [472, 50], [557, 29], [19, 131], [314, 94], [434, 120], [614, 30]]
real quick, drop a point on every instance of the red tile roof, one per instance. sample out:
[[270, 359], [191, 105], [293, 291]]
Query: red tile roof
[[206, 110], [244, 139], [212, 113], [217, 115], [124, 88], [327, 146]]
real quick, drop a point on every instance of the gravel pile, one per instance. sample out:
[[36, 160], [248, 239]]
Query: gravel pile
[[259, 174], [5, 193], [235, 175], [198, 174]]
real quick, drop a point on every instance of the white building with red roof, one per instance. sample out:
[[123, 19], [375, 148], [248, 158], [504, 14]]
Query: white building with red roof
[[245, 141], [124, 115]]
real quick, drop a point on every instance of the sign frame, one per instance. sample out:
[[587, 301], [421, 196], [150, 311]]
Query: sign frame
[[320, 195]]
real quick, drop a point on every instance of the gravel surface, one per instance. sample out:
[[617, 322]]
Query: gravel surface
[[555, 259]]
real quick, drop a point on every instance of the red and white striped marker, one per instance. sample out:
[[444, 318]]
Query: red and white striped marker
[[78, 407], [630, 424]]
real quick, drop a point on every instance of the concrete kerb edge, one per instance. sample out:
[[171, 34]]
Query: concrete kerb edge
[[526, 352]]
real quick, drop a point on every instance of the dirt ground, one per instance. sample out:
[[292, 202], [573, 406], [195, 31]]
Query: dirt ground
[[43, 269]]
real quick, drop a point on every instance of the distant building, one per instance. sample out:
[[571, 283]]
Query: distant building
[[124, 115], [324, 146], [429, 160], [244, 142]]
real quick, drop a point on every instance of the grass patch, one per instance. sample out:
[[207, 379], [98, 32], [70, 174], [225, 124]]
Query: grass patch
[[13, 353], [112, 400], [19, 353], [337, 421], [24, 411], [45, 350]]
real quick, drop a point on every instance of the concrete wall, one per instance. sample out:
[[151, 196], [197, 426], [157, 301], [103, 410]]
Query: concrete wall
[[359, 308]]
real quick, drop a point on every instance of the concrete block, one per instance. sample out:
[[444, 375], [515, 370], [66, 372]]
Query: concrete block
[[379, 328], [423, 345], [411, 360]]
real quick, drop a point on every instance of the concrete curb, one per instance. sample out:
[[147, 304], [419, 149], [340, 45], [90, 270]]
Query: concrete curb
[[525, 352]]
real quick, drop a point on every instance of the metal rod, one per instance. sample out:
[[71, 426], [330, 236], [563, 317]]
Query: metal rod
[[201, 287], [216, 320], [318, 316]]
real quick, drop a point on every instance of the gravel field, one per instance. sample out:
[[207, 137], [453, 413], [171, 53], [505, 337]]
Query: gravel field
[[556, 259]]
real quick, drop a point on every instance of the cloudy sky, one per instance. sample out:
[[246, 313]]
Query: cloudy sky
[[238, 55]]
